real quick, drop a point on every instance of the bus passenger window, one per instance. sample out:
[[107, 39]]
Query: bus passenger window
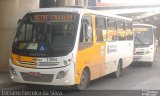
[[111, 30], [100, 28], [129, 32], [121, 30]]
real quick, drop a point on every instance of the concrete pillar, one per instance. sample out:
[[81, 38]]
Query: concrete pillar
[[70, 2], [80, 2], [61, 3], [83, 3], [10, 12], [48, 3]]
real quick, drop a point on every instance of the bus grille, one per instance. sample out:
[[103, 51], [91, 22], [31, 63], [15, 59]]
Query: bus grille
[[139, 53], [41, 78], [48, 63], [39, 63], [26, 63]]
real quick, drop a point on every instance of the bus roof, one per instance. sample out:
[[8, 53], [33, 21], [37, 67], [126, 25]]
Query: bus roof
[[79, 10]]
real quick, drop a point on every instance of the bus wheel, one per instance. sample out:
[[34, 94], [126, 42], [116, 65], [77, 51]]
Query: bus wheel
[[84, 81], [119, 71], [150, 64]]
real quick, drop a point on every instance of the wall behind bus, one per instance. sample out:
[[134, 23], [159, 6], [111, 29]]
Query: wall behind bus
[[10, 12]]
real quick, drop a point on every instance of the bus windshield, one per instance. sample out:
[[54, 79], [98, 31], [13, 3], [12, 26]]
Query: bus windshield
[[143, 36], [46, 34]]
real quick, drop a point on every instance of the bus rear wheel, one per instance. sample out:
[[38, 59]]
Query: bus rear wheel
[[119, 71], [84, 81]]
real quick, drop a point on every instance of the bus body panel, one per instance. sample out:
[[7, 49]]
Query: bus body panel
[[111, 56], [127, 53], [94, 59], [117, 51]]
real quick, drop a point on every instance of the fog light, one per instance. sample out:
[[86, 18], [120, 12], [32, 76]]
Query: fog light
[[65, 62], [13, 71], [12, 77], [61, 74]]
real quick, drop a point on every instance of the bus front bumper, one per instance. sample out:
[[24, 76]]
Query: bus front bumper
[[144, 58], [43, 76]]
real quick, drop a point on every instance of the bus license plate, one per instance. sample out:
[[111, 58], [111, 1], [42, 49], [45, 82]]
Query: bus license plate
[[34, 74]]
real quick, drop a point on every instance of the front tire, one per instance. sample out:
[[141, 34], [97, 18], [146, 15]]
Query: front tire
[[84, 81], [150, 64]]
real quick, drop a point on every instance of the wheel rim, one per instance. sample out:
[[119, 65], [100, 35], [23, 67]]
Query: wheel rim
[[83, 82]]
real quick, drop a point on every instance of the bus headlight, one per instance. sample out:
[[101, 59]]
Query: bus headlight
[[67, 62], [61, 74], [13, 71], [148, 51]]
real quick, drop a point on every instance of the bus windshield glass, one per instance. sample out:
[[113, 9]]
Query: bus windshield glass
[[46, 34], [143, 36]]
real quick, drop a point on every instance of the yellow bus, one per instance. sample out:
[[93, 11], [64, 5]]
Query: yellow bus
[[70, 46]]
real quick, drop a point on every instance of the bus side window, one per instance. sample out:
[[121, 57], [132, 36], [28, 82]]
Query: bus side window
[[86, 37], [121, 30], [111, 30], [101, 28], [129, 32]]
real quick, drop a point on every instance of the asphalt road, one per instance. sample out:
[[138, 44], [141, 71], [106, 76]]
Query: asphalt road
[[138, 79]]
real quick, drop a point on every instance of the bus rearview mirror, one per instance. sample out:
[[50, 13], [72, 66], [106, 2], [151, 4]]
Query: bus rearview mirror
[[19, 21]]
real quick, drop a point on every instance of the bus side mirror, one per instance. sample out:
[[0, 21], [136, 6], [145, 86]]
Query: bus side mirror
[[19, 21]]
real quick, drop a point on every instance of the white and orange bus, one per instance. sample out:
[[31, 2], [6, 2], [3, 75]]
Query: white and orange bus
[[70, 46]]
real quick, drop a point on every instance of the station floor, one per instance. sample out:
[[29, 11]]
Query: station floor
[[5, 80]]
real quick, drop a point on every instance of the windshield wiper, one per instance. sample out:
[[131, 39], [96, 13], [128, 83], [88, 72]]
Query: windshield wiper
[[140, 41], [44, 38]]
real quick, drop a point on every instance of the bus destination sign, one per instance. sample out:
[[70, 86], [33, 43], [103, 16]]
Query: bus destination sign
[[53, 18]]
